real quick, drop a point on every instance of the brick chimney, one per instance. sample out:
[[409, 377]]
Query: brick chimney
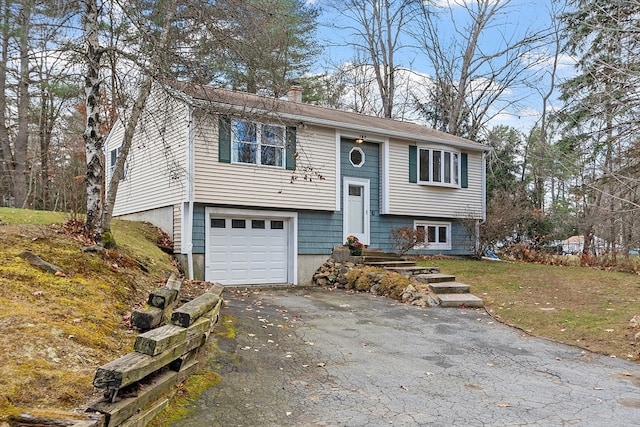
[[295, 93]]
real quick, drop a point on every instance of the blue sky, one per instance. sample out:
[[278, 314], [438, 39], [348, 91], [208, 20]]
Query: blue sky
[[519, 17]]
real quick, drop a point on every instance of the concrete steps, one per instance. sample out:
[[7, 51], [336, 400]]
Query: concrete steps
[[455, 294], [448, 292]]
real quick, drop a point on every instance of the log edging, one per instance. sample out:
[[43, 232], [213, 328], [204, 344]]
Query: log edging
[[164, 356]]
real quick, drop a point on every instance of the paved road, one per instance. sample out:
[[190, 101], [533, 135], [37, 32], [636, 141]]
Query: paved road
[[314, 357]]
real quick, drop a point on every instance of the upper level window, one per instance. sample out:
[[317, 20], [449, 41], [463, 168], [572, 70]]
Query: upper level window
[[438, 167], [257, 144]]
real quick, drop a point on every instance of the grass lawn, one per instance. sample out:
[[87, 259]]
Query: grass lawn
[[586, 307]]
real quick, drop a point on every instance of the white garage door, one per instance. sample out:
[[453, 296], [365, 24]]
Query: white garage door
[[247, 250]]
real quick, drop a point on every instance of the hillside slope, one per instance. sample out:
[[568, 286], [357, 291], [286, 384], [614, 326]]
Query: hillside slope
[[58, 328]]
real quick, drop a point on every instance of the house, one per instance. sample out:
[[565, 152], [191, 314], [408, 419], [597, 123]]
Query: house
[[258, 190]]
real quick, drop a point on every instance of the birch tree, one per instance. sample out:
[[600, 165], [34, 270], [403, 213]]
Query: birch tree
[[92, 135]]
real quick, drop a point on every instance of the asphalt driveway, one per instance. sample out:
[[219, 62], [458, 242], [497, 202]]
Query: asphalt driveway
[[315, 357]]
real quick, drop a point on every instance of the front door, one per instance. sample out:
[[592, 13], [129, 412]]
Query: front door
[[356, 209]]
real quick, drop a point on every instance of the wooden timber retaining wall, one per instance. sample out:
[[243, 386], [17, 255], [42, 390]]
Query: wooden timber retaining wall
[[136, 384]]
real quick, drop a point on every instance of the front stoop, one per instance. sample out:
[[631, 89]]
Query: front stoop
[[460, 300]]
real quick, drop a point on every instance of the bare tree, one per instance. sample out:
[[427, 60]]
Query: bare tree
[[157, 61], [377, 27], [470, 79]]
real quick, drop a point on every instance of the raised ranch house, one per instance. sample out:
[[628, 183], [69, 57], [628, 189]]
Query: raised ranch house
[[258, 190]]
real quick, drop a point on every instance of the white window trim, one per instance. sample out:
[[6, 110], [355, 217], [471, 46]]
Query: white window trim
[[361, 153], [259, 144], [434, 246], [441, 183]]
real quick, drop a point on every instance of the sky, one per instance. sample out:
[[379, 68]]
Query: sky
[[519, 17]]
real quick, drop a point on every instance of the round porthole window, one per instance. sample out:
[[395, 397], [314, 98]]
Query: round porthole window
[[356, 157]]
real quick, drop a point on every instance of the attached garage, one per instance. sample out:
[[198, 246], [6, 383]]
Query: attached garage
[[250, 247]]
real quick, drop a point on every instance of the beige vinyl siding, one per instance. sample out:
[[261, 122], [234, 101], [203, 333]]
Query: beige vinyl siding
[[156, 165], [407, 198], [248, 185]]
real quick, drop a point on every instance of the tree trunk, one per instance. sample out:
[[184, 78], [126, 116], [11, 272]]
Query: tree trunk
[[136, 113], [6, 155], [92, 135], [45, 141], [22, 137]]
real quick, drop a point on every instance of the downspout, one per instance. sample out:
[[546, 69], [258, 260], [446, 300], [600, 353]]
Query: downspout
[[188, 233]]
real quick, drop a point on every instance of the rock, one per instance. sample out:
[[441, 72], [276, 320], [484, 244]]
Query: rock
[[408, 294]]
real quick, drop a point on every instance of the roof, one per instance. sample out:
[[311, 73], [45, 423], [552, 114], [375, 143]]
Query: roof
[[221, 99]]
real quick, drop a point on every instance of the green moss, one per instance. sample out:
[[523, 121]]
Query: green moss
[[227, 322], [186, 393]]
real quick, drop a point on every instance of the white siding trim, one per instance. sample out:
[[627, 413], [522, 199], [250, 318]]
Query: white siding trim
[[292, 256], [338, 138], [384, 179], [484, 188]]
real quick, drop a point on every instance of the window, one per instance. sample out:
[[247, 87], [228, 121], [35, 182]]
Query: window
[[356, 157], [435, 236], [218, 223], [277, 225], [438, 167], [257, 144], [238, 223], [112, 164]]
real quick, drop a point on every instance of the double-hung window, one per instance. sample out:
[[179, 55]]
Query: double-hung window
[[436, 235], [438, 167], [258, 144]]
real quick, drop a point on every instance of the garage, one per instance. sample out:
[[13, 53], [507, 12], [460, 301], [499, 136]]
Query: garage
[[249, 249]]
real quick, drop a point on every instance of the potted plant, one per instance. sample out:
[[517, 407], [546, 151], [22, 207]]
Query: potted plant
[[355, 246]]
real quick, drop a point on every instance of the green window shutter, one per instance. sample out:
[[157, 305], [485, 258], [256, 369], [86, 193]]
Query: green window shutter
[[224, 139], [413, 163], [464, 170], [290, 148]]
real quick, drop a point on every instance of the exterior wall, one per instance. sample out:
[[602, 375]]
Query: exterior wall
[[319, 232], [161, 218], [407, 198], [156, 166], [461, 243], [263, 187], [307, 266]]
